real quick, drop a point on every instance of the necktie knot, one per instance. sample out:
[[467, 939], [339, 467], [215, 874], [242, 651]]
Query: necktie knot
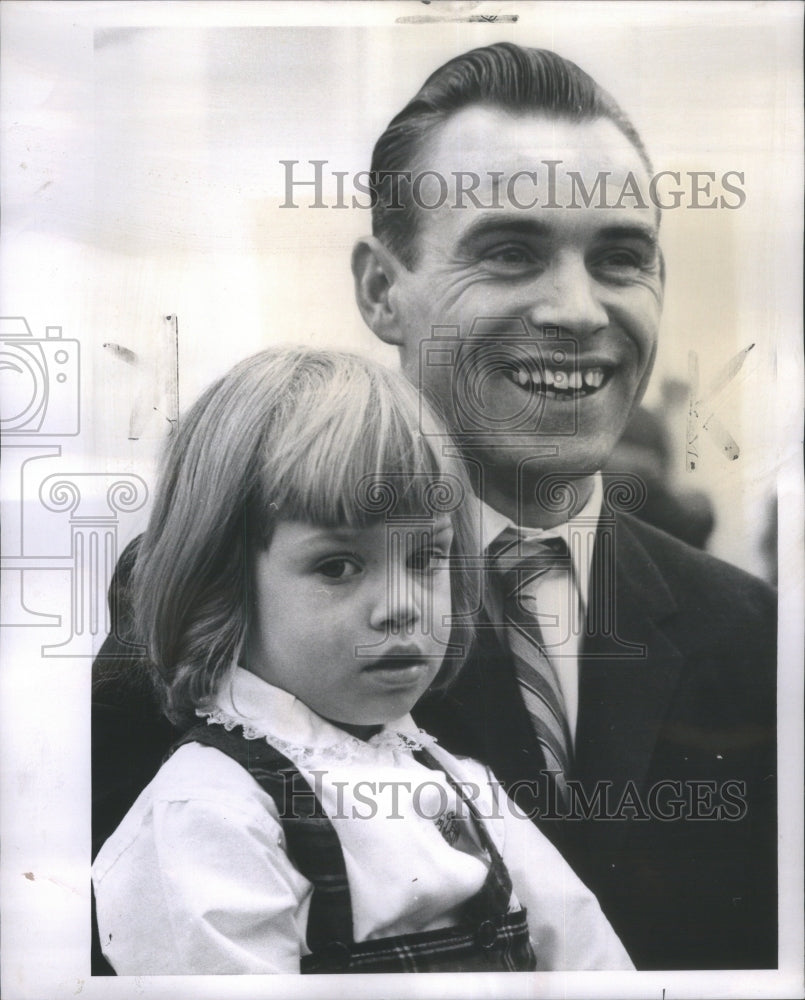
[[512, 545], [521, 560]]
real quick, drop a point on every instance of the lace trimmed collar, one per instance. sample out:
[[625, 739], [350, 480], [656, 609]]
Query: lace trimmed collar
[[269, 713]]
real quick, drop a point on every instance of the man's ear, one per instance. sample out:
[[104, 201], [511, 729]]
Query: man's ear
[[376, 270]]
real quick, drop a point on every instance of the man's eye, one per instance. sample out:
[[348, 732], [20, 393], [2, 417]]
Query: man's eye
[[623, 262], [621, 258], [338, 569], [510, 254]]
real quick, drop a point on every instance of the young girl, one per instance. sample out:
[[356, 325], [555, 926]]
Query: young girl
[[296, 593]]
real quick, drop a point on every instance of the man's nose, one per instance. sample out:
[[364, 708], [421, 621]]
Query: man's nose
[[567, 296]]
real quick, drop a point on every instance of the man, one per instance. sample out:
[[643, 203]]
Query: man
[[526, 305]]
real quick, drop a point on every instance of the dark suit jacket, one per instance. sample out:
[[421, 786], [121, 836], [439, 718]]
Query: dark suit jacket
[[676, 717], [693, 717]]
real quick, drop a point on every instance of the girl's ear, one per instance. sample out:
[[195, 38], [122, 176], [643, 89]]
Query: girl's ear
[[376, 270]]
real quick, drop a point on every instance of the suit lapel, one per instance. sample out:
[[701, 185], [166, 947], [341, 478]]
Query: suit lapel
[[628, 671], [629, 665]]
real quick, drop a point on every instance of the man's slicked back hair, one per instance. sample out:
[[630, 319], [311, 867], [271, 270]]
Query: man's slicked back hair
[[505, 76]]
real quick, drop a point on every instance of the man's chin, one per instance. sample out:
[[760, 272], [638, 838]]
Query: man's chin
[[545, 475], [535, 457]]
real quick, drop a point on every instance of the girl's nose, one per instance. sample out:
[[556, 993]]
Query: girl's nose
[[397, 606]]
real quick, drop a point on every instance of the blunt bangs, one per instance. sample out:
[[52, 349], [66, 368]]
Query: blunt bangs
[[359, 447], [290, 433]]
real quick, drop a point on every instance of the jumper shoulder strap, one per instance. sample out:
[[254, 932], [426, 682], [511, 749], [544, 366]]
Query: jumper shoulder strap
[[498, 886], [311, 841], [488, 939]]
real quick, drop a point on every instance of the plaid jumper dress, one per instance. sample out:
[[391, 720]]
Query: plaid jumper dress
[[489, 939]]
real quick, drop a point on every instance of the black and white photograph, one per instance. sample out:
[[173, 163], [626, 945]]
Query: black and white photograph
[[401, 414]]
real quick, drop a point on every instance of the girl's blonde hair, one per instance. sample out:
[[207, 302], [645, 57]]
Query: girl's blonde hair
[[319, 436]]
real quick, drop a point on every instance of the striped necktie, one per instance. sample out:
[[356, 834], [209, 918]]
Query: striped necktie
[[519, 563]]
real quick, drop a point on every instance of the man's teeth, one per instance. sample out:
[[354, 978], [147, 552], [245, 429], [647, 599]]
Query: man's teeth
[[590, 378]]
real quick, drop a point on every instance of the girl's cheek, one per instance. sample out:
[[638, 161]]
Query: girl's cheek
[[442, 597]]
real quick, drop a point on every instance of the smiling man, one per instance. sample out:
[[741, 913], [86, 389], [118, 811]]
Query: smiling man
[[622, 686], [515, 263], [529, 274]]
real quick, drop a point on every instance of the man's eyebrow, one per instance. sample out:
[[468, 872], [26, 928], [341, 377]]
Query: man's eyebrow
[[630, 231], [480, 229]]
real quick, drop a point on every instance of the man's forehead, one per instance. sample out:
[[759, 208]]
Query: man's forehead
[[491, 139], [487, 167]]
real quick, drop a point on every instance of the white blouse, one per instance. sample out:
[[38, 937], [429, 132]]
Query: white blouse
[[196, 879]]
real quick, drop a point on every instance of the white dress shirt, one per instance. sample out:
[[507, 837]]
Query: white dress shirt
[[196, 879], [559, 597]]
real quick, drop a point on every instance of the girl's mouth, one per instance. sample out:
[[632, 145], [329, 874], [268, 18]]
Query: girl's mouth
[[399, 669], [395, 662]]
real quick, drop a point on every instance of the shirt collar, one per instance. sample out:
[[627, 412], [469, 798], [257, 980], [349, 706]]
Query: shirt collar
[[492, 522], [271, 711]]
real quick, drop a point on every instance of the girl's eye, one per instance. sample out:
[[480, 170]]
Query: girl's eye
[[428, 560], [339, 568]]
